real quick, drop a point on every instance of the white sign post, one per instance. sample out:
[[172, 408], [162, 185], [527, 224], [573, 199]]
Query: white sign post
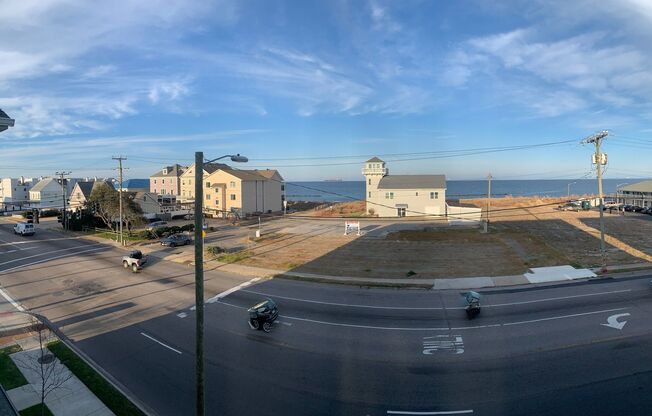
[[350, 226]]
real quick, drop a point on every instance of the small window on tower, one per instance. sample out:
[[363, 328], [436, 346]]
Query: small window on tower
[[369, 181]]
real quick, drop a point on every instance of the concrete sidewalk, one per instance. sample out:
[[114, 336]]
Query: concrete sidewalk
[[73, 398]]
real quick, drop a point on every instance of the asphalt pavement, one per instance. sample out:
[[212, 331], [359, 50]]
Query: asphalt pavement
[[580, 348]]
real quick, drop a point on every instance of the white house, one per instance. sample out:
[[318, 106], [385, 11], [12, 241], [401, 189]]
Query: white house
[[14, 193], [47, 193], [403, 195]]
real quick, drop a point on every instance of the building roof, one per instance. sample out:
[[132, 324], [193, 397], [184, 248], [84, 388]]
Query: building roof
[[133, 184], [5, 121], [268, 173], [209, 167], [413, 182], [174, 170], [86, 188], [374, 160], [644, 186], [42, 184], [246, 175]]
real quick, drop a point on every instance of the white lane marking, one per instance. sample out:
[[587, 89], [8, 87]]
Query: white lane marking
[[50, 259], [228, 292], [10, 300], [563, 316], [182, 314], [448, 343], [444, 412], [9, 243], [525, 302], [434, 308], [159, 342], [612, 321], [44, 253], [396, 328]]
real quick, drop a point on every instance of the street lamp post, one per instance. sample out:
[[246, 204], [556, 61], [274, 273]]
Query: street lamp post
[[199, 271], [572, 183], [618, 186]]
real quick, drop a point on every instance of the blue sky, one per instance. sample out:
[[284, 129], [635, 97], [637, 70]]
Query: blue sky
[[157, 80]]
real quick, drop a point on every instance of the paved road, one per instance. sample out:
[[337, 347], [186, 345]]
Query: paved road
[[344, 350]]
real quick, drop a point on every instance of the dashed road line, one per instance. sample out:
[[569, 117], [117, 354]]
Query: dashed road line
[[10, 300], [443, 412], [227, 292], [161, 343]]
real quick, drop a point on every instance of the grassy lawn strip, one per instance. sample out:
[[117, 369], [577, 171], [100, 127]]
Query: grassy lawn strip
[[35, 411], [10, 375], [104, 391], [234, 257]]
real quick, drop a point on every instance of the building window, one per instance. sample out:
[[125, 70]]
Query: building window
[[369, 181], [208, 196], [389, 195], [154, 183], [162, 180], [434, 195], [154, 190], [232, 196], [416, 194], [232, 185], [282, 187], [189, 181], [370, 194], [208, 184], [183, 182]]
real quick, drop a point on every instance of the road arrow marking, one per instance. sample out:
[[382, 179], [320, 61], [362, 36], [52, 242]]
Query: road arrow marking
[[612, 321]]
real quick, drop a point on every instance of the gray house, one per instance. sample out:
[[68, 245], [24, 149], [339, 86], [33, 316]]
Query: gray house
[[403, 195]]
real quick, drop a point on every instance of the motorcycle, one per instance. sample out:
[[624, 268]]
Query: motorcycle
[[263, 315], [472, 304]]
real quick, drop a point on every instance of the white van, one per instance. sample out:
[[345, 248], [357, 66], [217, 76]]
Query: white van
[[24, 228]]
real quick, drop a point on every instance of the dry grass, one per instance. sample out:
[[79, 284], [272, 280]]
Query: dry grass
[[524, 233]]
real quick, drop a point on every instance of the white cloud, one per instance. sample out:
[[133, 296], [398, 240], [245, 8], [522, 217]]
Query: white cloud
[[167, 90]]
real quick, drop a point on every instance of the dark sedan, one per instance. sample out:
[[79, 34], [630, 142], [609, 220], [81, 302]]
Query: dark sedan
[[176, 240]]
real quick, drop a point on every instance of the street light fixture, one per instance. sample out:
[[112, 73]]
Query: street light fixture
[[572, 183], [199, 270], [618, 186], [5, 121]]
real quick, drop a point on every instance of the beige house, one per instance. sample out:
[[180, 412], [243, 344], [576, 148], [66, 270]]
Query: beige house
[[187, 193], [243, 191], [403, 195], [82, 192]]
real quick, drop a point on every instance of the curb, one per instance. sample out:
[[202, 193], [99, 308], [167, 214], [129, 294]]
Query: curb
[[359, 283]]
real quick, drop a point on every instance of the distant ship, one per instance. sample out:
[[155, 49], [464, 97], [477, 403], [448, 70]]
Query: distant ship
[[332, 180]]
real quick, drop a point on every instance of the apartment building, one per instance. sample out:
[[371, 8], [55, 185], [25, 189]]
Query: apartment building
[[167, 181]]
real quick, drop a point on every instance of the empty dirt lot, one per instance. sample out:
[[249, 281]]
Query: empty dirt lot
[[523, 233]]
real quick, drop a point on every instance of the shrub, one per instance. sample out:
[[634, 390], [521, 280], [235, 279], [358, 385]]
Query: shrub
[[372, 211], [49, 213], [215, 250], [188, 227]]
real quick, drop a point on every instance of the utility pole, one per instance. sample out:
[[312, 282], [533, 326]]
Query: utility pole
[[64, 213], [120, 159], [199, 280], [600, 159], [488, 201]]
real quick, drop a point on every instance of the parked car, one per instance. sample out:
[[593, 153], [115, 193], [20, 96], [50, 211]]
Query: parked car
[[134, 260], [157, 224], [627, 207], [176, 240], [636, 208], [570, 206], [24, 228]]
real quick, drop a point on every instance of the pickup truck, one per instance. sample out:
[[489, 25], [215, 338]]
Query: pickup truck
[[134, 260]]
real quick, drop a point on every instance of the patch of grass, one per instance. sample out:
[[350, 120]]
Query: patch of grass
[[133, 238], [215, 250], [10, 375], [104, 391], [36, 411], [234, 257]]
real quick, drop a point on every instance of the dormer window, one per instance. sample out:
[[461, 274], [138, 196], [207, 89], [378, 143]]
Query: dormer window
[[165, 171]]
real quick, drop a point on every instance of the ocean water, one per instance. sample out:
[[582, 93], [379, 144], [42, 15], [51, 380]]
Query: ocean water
[[337, 191]]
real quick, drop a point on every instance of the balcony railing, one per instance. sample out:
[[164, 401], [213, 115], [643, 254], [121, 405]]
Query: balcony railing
[[374, 171]]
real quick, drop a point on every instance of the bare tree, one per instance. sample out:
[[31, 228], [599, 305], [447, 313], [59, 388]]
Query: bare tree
[[51, 372]]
